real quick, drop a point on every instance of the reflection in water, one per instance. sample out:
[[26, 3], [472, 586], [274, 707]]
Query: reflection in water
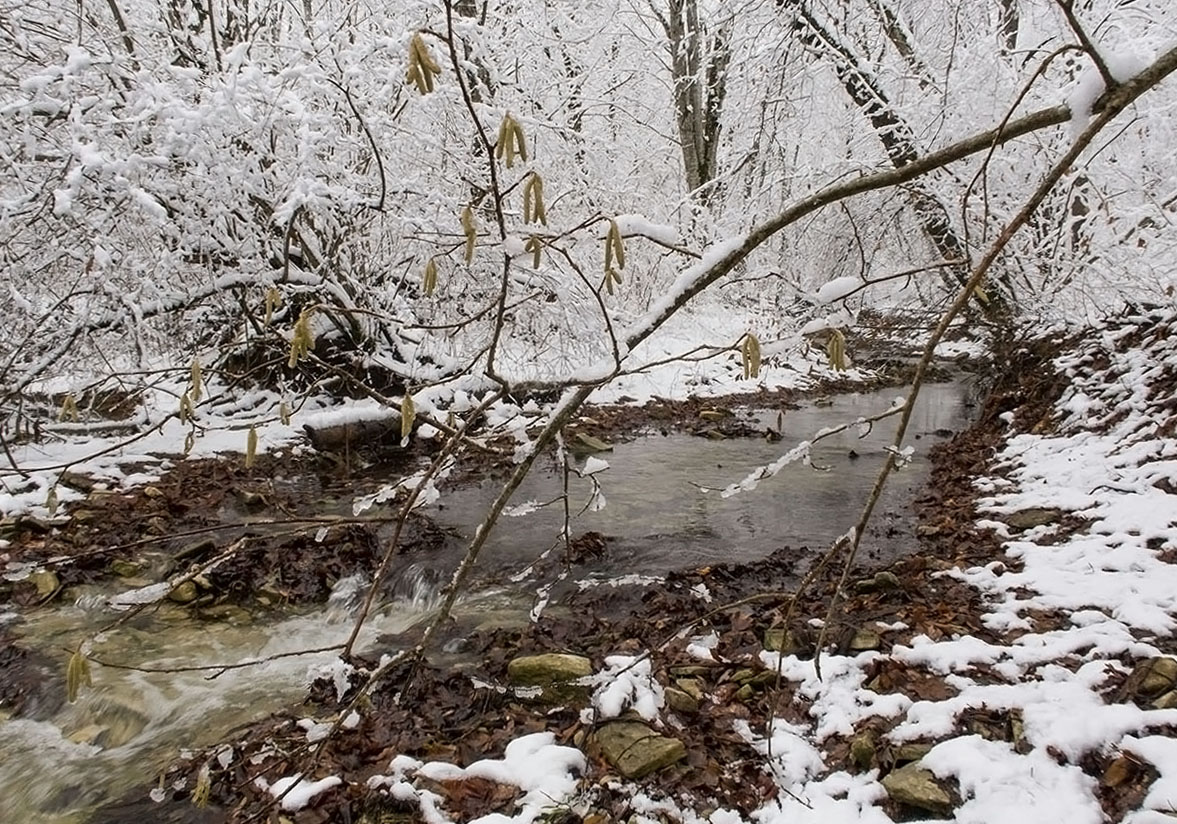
[[55, 769], [660, 519]]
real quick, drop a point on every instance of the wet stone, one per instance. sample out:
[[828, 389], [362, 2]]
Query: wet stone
[[46, 582], [185, 593], [124, 568], [635, 750], [227, 613], [917, 787], [1118, 772], [90, 734], [111, 724]]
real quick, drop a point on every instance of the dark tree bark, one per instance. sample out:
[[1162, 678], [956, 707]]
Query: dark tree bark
[[899, 142], [698, 66], [901, 39]]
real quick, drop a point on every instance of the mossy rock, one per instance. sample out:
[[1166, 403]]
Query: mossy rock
[[635, 750]]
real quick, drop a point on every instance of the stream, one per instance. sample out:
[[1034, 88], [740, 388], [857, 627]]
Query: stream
[[66, 761]]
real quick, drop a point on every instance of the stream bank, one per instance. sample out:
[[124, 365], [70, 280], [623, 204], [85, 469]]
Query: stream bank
[[268, 594], [950, 687]]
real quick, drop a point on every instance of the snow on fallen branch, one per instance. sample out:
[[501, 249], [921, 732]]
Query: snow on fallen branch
[[801, 452]]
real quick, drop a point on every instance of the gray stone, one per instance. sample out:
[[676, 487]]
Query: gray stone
[[1155, 676], [916, 787], [1030, 518], [743, 676], [764, 678], [549, 677], [185, 593], [879, 582], [863, 748], [783, 641], [78, 481], [549, 668], [680, 701], [912, 751], [635, 750], [46, 582], [690, 671], [1167, 701], [691, 687], [584, 443], [865, 639]]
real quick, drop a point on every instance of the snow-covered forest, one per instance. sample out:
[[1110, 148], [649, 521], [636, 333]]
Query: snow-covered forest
[[187, 181], [446, 242]]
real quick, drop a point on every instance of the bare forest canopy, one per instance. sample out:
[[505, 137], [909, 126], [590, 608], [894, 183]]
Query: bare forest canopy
[[433, 199]]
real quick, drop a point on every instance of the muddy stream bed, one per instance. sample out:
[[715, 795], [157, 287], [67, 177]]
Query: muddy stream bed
[[60, 762]]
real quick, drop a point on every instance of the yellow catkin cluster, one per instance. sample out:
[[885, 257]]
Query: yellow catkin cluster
[[750, 356], [423, 69], [303, 339], [77, 675], [187, 409], [535, 245], [429, 278], [273, 301], [251, 447], [196, 390], [470, 230], [836, 350], [614, 252], [408, 415], [511, 142], [69, 409], [534, 210], [203, 789]]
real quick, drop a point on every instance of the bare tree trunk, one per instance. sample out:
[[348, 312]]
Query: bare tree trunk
[[897, 138], [698, 67], [901, 39], [1010, 22]]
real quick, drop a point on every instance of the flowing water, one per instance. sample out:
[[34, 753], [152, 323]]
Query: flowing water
[[62, 764], [658, 516]]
